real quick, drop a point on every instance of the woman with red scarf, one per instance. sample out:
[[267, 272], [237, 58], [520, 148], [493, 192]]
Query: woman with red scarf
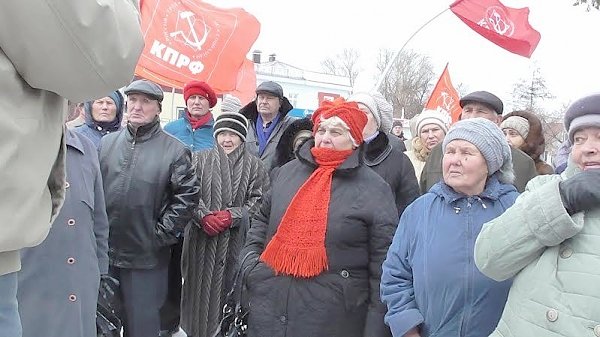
[[320, 238]]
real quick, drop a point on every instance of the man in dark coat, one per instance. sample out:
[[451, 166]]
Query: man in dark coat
[[151, 190], [489, 106], [59, 279], [232, 183], [268, 117]]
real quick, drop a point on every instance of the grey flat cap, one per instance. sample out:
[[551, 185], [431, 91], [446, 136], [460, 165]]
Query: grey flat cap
[[145, 87], [270, 87], [486, 98]]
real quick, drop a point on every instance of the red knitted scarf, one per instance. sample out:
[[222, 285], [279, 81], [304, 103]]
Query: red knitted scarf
[[198, 122], [298, 247]]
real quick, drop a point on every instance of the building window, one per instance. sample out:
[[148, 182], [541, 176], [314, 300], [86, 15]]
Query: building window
[[293, 98]]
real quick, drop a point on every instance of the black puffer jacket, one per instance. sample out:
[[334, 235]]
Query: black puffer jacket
[[344, 300], [151, 191], [394, 167]]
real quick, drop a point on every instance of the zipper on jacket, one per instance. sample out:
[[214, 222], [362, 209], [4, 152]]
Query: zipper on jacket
[[467, 308]]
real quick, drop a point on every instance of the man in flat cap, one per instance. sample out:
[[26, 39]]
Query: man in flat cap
[[151, 190], [486, 105], [195, 128], [268, 117]]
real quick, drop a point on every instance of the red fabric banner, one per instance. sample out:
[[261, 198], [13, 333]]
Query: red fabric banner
[[444, 97], [192, 40], [507, 27], [245, 88]]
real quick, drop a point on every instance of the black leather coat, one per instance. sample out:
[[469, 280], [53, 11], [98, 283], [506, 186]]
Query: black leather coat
[[150, 190]]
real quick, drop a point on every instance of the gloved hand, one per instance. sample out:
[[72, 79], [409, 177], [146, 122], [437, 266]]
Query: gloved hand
[[212, 225], [581, 192], [224, 216]]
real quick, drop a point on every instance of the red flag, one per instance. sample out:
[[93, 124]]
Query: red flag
[[192, 40], [245, 88], [444, 97], [507, 27]]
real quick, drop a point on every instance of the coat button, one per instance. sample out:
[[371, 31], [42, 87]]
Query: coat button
[[283, 319], [566, 252], [597, 330], [344, 273], [67, 184], [71, 222], [71, 260], [552, 315], [72, 298]]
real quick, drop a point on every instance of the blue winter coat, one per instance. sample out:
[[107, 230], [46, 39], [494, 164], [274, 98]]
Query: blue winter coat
[[430, 278], [196, 140]]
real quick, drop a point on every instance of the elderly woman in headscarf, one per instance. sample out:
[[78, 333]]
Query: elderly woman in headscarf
[[549, 241], [523, 131], [430, 128], [232, 184], [430, 283], [102, 116], [320, 237], [383, 153]]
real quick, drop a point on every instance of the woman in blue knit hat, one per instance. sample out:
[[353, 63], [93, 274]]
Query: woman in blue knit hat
[[430, 283]]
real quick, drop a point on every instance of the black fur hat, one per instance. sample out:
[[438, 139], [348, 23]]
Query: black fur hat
[[285, 148]]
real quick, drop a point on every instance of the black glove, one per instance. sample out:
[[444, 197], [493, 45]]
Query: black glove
[[581, 192]]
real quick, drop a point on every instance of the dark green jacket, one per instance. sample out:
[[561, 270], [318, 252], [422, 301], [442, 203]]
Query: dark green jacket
[[523, 165]]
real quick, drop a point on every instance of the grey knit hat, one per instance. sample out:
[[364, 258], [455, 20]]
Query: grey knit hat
[[517, 123], [489, 140], [386, 112], [369, 102], [582, 113], [230, 104]]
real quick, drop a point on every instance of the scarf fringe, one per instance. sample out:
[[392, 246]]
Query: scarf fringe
[[295, 261]]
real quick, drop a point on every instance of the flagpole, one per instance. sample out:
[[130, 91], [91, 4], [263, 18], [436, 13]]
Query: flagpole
[[390, 64]]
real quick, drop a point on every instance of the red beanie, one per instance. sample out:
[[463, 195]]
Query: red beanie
[[202, 89], [349, 112]]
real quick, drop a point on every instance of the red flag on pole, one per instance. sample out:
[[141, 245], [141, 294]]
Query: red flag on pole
[[192, 40], [245, 88], [507, 27], [444, 97]]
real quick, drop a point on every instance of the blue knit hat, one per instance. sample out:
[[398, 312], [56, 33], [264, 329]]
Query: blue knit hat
[[490, 141]]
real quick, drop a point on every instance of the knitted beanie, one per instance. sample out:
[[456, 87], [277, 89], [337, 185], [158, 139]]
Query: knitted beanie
[[230, 104], [489, 140], [231, 121], [348, 112], [369, 102], [517, 123], [439, 118], [386, 112], [582, 113]]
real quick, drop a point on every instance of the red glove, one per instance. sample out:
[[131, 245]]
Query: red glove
[[212, 225], [225, 217]]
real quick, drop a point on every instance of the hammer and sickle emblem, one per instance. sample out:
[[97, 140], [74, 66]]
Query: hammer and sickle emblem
[[191, 38]]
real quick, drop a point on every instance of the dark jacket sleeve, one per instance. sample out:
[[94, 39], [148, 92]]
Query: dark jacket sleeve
[[432, 171], [185, 193], [524, 168], [383, 223], [100, 219], [255, 239], [408, 189]]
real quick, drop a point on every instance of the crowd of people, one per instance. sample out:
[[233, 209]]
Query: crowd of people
[[329, 225]]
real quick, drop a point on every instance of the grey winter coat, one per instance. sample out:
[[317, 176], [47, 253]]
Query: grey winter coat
[[344, 300], [59, 279], [234, 182]]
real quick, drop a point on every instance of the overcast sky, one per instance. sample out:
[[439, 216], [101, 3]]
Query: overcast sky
[[303, 33]]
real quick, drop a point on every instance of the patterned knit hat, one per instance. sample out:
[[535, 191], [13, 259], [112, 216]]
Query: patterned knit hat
[[489, 140], [231, 121], [368, 100], [348, 112], [438, 118], [231, 104], [386, 112], [517, 123]]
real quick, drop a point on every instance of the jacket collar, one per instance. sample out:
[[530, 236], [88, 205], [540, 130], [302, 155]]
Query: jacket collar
[[73, 141], [377, 150], [251, 113], [348, 166], [143, 132], [493, 190]]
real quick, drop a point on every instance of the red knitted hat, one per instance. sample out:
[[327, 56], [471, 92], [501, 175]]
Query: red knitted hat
[[202, 89], [349, 112]]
